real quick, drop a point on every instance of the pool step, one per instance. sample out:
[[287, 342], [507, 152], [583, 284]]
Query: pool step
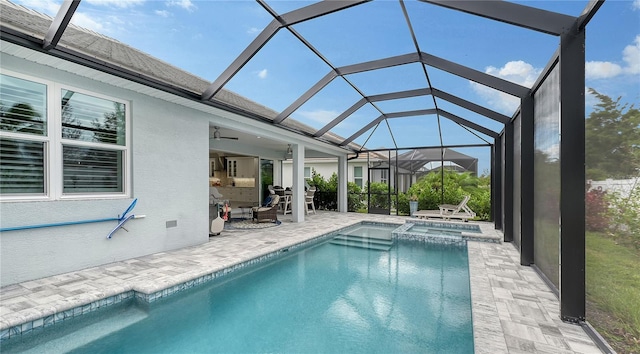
[[363, 242]]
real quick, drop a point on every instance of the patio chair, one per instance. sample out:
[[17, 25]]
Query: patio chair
[[449, 211], [285, 202], [269, 210], [308, 199]]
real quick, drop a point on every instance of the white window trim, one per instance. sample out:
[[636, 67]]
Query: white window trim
[[53, 183], [361, 178]]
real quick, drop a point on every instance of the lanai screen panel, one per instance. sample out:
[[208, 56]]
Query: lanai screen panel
[[547, 176]]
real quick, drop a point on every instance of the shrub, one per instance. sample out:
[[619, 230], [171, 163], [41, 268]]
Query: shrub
[[354, 197], [596, 209], [624, 217], [378, 198], [428, 189]]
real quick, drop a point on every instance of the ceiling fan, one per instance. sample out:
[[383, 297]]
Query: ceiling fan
[[217, 136]]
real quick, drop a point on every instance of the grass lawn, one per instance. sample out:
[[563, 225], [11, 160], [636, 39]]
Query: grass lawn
[[613, 292]]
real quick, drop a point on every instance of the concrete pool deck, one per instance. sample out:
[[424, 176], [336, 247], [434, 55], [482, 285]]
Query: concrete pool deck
[[513, 309]]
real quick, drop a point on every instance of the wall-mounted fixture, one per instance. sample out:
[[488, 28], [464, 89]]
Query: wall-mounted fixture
[[289, 153], [217, 136]]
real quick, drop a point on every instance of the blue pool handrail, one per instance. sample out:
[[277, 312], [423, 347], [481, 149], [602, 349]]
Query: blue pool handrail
[[121, 219]]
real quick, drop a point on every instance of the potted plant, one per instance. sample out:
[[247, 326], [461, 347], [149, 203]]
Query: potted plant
[[413, 204]]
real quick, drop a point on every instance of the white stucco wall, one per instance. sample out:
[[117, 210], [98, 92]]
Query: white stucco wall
[[325, 167], [169, 152], [621, 186]]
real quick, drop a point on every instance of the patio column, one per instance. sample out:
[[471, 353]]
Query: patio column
[[297, 204], [342, 184]]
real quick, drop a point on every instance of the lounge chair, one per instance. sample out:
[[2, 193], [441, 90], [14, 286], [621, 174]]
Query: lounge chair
[[269, 211], [449, 211]]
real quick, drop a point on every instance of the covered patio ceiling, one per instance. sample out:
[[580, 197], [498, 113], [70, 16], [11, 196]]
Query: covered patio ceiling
[[399, 78]]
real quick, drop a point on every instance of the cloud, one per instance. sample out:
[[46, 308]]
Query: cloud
[[162, 13], [117, 20], [262, 74], [80, 19], [254, 30], [631, 56], [116, 3], [185, 4], [552, 152], [48, 7], [606, 69], [321, 115], [635, 5], [85, 21], [519, 72], [601, 70]]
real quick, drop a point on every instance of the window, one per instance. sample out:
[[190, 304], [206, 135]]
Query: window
[[357, 175], [93, 141], [23, 137], [90, 140], [307, 173], [384, 176]]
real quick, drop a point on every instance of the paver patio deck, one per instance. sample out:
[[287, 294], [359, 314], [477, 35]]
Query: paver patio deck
[[513, 310]]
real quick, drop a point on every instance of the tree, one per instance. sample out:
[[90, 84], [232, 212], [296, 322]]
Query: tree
[[612, 139], [22, 118]]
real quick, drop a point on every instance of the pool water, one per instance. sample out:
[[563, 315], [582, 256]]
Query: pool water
[[371, 231], [324, 299]]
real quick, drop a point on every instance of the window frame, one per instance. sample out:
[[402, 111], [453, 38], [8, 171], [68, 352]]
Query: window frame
[[53, 145], [384, 176], [307, 168], [361, 177]]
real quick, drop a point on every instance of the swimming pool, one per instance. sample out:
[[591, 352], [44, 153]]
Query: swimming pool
[[324, 298]]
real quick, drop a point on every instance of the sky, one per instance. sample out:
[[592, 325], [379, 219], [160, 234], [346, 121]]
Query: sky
[[204, 37]]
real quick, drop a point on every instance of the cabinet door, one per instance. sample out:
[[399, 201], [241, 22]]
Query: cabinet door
[[232, 168], [245, 169]]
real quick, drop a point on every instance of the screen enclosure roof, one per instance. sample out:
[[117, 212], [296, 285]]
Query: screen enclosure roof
[[355, 74]]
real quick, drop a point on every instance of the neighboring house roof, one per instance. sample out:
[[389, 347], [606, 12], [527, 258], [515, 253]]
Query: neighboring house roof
[[414, 160]]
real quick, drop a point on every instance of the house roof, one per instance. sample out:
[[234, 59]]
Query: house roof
[[415, 159]]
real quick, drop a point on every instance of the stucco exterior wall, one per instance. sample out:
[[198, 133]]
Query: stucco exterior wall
[[169, 153], [326, 168]]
